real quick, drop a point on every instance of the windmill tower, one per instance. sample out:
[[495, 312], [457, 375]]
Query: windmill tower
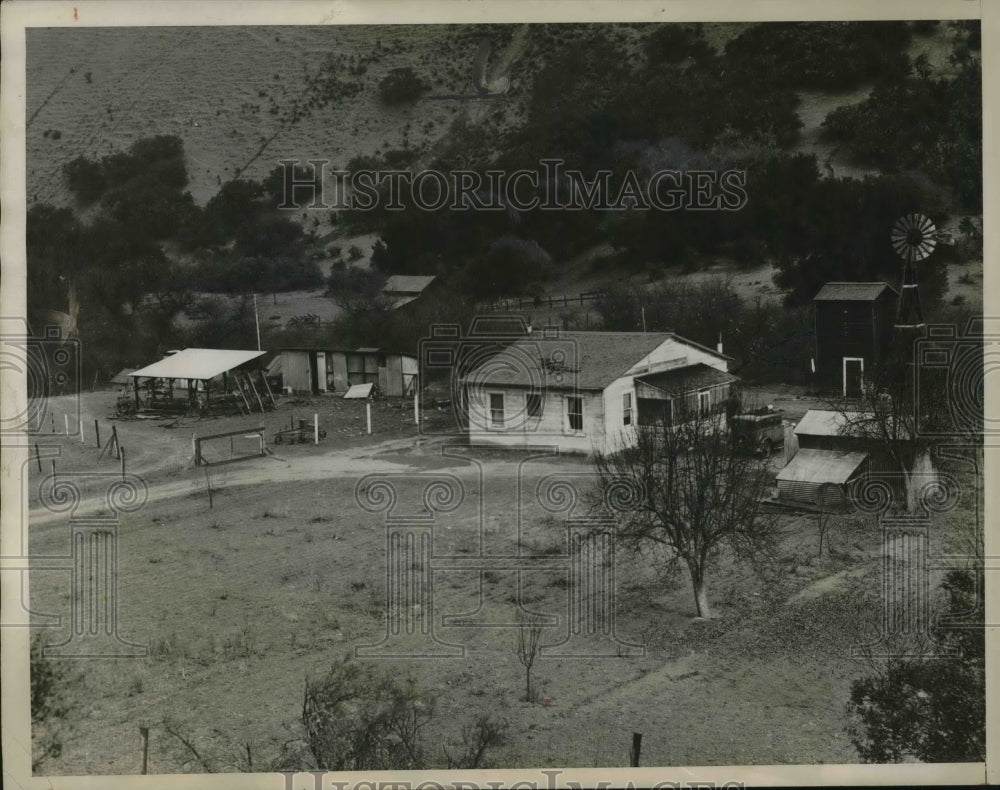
[[914, 237]]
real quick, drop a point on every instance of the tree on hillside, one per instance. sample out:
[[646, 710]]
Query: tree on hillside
[[696, 494], [929, 709], [401, 86]]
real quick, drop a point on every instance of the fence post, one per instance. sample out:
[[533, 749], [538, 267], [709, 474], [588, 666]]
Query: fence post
[[144, 732], [122, 451], [97, 433], [636, 747], [368, 415], [66, 423], [82, 440], [315, 428]]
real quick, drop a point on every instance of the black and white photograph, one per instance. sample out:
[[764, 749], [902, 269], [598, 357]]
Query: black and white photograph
[[462, 395]]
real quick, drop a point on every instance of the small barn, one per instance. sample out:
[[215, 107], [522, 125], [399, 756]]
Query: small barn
[[320, 370], [589, 391], [853, 324]]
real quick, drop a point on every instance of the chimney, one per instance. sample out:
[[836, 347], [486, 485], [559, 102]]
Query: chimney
[[718, 346]]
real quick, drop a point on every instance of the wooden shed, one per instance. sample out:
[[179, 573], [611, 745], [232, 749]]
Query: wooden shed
[[853, 323], [319, 370]]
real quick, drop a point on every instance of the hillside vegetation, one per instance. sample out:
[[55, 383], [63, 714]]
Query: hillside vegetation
[[154, 152]]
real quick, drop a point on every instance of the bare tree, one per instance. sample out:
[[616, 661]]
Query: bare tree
[[692, 491], [527, 647], [825, 497], [889, 418]]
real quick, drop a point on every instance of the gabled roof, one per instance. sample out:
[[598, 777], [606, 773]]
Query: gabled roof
[[821, 466], [200, 364], [407, 283], [690, 378], [572, 360], [852, 292]]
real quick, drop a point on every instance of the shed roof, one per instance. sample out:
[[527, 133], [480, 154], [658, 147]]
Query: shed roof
[[573, 360], [822, 466], [852, 292], [822, 422], [689, 378], [407, 283], [197, 363]]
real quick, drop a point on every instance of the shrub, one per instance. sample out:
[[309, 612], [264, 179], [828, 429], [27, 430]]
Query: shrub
[[359, 717], [48, 703]]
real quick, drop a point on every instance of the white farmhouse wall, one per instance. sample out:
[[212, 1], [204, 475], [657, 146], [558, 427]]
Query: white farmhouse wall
[[617, 435], [550, 428]]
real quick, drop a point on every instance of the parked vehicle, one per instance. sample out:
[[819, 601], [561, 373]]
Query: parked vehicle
[[759, 432]]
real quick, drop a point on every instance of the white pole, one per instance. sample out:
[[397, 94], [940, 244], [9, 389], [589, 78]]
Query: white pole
[[66, 423], [416, 406], [82, 441], [315, 428], [368, 415], [256, 320]]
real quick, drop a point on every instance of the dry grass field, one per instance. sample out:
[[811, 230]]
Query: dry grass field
[[284, 574]]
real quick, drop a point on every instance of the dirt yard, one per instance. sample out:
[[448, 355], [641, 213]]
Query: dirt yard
[[285, 573]]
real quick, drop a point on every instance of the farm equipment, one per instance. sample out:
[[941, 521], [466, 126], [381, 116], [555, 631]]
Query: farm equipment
[[303, 434]]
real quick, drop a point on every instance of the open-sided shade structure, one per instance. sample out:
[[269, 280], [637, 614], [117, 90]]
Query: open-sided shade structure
[[197, 364], [198, 367]]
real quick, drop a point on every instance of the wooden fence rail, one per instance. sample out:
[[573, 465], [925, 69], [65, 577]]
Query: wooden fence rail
[[535, 302]]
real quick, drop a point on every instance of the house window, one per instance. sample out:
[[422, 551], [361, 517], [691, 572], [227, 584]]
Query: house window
[[574, 413], [496, 410], [534, 405], [626, 408], [704, 402]]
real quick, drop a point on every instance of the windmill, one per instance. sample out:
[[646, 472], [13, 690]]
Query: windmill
[[914, 237]]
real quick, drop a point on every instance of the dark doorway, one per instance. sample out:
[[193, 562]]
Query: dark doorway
[[853, 376]]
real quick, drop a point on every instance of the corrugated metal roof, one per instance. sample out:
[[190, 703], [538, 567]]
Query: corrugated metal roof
[[197, 363], [689, 378], [407, 283], [821, 466], [853, 292]]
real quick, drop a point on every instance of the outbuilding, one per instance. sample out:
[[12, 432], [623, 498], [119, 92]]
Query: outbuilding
[[853, 324], [321, 370]]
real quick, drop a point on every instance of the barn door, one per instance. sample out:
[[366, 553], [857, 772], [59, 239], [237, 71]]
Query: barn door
[[854, 370]]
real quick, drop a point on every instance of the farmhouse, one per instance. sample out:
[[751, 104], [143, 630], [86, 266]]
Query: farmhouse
[[854, 324], [318, 370], [587, 391], [402, 289]]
